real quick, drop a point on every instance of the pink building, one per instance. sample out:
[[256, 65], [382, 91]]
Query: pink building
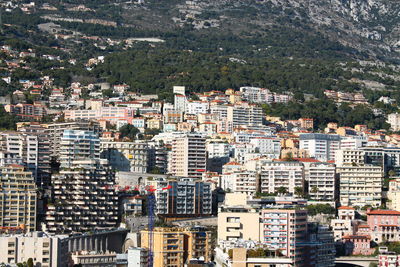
[[35, 111], [389, 259], [357, 245], [384, 225]]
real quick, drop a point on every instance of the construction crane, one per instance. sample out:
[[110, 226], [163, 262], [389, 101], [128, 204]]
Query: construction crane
[[150, 204], [151, 200]]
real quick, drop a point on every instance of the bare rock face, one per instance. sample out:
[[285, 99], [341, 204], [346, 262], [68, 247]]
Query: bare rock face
[[367, 25]]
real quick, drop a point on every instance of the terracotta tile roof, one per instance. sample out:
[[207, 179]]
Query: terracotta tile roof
[[383, 212], [306, 159], [345, 208]]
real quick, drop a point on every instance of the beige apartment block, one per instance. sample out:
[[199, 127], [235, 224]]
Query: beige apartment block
[[188, 156], [173, 247], [17, 198], [360, 185]]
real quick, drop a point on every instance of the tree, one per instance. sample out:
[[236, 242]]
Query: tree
[[320, 209], [129, 131], [392, 173], [298, 190], [29, 263], [314, 190], [282, 190]]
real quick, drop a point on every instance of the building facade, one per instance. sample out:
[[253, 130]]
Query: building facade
[[18, 198], [188, 156]]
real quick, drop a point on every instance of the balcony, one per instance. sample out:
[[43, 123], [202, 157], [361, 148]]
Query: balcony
[[233, 225], [233, 234]]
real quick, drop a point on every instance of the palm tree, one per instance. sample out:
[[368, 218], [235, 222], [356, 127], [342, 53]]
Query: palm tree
[[314, 190], [298, 191], [282, 190]]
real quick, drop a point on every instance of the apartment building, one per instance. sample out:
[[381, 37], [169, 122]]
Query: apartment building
[[278, 224], [237, 220], [138, 257], [78, 145], [197, 107], [84, 197], [174, 247], [55, 132], [320, 146], [217, 154], [262, 95], [125, 156], [29, 111], [18, 198], [110, 114], [241, 181], [321, 181], [180, 102], [244, 115], [384, 225], [44, 249], [394, 121], [360, 185], [188, 156], [394, 194], [186, 198], [172, 116], [32, 148], [157, 158], [277, 174], [350, 156], [268, 146], [343, 224]]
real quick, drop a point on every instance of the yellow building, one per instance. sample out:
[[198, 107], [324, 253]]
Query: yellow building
[[154, 124], [173, 247], [17, 198], [236, 220]]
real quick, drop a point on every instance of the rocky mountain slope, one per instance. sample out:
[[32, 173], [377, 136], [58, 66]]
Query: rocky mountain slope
[[370, 26]]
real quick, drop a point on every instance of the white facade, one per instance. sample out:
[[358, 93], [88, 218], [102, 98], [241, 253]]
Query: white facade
[[267, 145], [180, 102], [274, 175], [320, 146], [394, 121], [137, 257], [217, 149], [197, 107], [360, 185], [43, 249], [353, 142], [126, 156], [321, 181], [244, 182]]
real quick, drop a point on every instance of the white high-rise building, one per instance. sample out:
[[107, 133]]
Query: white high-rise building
[[320, 146], [321, 181], [180, 103], [269, 146], [274, 175], [78, 145], [394, 121], [244, 115], [126, 156], [32, 150]]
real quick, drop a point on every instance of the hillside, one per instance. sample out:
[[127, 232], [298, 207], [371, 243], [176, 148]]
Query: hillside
[[355, 28]]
